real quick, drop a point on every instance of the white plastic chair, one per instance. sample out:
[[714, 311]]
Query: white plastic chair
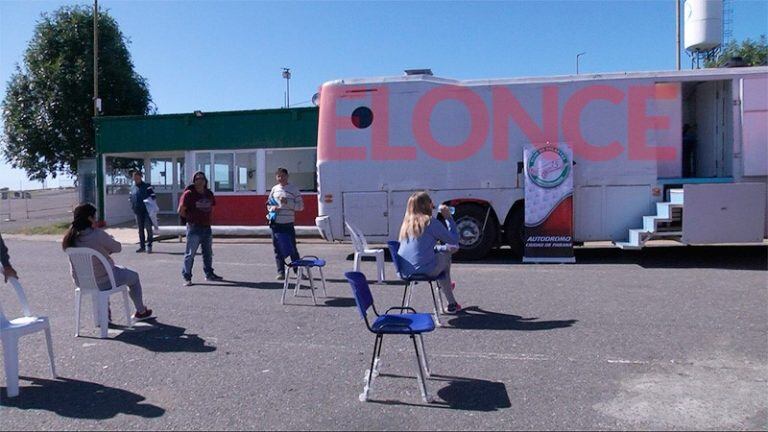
[[82, 260], [362, 249], [11, 331]]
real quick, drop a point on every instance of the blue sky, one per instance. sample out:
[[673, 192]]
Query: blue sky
[[228, 55]]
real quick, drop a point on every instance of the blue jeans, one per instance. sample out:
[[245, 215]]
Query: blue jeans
[[126, 276], [144, 223], [198, 236], [279, 258]]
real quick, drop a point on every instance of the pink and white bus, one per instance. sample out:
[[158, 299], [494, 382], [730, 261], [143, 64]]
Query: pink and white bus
[[679, 154]]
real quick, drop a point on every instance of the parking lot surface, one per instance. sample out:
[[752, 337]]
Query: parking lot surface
[[664, 338]]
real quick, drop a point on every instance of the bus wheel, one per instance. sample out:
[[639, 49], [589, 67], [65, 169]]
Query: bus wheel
[[515, 231], [475, 242]]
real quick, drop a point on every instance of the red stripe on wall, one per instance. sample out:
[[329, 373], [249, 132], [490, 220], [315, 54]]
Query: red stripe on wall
[[252, 210]]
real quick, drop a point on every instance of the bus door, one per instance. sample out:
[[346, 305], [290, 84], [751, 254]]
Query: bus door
[[367, 211]]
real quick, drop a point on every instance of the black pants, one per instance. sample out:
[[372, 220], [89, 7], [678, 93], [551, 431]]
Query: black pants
[[287, 229], [144, 223]]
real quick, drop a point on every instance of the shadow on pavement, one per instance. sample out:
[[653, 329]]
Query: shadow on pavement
[[161, 337], [79, 399], [748, 257], [733, 257], [474, 318], [241, 284], [465, 394], [340, 302]]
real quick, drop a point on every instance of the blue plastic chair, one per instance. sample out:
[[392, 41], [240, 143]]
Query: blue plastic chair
[[410, 281], [408, 323], [306, 263]]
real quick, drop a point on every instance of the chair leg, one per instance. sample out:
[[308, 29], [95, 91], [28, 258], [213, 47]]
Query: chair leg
[[410, 293], [95, 301], [11, 362], [425, 362], [78, 304], [369, 379], [405, 294], [434, 303], [311, 285], [420, 374], [380, 267], [356, 265], [285, 284], [127, 308], [299, 278], [49, 343], [322, 278], [377, 363], [103, 306]]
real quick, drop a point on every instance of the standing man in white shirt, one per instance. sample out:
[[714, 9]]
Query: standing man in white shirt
[[288, 201]]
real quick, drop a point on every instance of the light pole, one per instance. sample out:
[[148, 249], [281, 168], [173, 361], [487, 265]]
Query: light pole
[[287, 76], [96, 100], [577, 61]]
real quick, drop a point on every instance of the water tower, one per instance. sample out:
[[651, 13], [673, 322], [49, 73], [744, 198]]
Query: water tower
[[703, 21]]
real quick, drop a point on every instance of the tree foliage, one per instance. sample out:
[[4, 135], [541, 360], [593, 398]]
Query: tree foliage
[[48, 106], [753, 53]]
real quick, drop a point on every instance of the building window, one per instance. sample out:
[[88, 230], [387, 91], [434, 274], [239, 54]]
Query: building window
[[300, 164], [246, 171], [203, 163], [224, 172], [118, 180], [161, 174]]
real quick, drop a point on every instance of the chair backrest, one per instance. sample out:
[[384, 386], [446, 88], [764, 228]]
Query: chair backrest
[[358, 239], [394, 247], [83, 261], [22, 300], [284, 244], [361, 290]]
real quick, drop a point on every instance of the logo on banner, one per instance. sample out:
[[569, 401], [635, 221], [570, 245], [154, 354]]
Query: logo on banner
[[552, 170]]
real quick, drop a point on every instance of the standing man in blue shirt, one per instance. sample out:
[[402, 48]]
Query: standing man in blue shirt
[[139, 192]]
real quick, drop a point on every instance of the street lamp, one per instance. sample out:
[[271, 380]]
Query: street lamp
[[577, 61], [287, 76]]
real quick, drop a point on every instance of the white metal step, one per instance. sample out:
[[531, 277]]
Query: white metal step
[[637, 236], [676, 196], [649, 223]]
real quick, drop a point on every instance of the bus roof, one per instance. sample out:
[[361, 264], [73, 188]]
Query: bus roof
[[683, 75]]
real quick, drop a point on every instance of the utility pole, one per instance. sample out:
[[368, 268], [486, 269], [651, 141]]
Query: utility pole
[[677, 35], [96, 100]]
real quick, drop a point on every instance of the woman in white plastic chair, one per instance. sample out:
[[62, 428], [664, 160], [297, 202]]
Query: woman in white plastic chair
[[83, 233], [419, 248]]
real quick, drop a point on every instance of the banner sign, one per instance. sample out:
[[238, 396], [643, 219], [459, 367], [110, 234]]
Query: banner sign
[[548, 203]]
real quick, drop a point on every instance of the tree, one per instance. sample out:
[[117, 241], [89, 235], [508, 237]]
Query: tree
[[753, 53], [48, 107]]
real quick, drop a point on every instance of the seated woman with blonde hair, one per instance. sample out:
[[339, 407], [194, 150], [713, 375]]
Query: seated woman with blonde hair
[[419, 248]]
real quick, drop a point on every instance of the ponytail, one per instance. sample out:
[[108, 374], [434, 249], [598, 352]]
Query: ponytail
[[81, 222]]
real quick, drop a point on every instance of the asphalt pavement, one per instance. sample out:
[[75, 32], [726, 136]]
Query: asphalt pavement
[[664, 338]]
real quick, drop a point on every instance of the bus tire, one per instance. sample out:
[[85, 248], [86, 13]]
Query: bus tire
[[474, 241], [514, 231]]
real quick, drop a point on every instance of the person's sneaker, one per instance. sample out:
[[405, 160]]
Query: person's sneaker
[[453, 308], [141, 316], [213, 277], [187, 282], [280, 276], [149, 249], [140, 250]]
